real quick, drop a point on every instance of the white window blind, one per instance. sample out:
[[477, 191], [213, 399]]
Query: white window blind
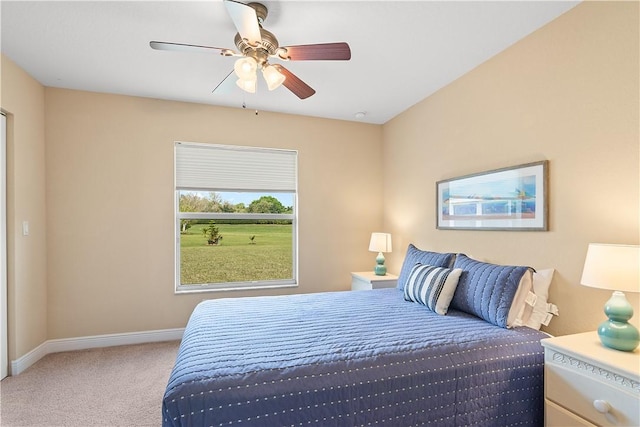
[[223, 167]]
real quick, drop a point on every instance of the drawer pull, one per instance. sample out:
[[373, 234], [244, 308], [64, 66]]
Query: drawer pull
[[601, 406]]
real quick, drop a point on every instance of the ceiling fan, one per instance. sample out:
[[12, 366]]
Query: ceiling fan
[[257, 46]]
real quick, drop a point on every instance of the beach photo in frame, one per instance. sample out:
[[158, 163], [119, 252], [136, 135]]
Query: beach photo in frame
[[512, 198]]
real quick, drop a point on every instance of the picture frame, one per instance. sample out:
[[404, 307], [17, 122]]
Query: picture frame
[[513, 198]]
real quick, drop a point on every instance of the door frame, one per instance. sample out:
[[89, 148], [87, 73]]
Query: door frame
[[4, 343]]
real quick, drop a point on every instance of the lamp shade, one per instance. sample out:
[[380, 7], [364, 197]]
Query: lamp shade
[[246, 68], [613, 267], [380, 242], [247, 85], [273, 77]]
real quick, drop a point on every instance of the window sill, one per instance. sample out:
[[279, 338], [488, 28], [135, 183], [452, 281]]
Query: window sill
[[239, 286]]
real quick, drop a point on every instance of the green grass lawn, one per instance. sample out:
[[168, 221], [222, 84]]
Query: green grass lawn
[[236, 258]]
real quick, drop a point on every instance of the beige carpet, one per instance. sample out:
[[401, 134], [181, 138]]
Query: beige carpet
[[115, 386]]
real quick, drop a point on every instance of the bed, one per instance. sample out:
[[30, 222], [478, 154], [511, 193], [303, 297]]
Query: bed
[[441, 349], [352, 359]]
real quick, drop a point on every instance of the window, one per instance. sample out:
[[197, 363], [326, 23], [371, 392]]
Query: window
[[235, 217]]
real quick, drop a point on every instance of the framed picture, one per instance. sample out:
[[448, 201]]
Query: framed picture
[[513, 198]]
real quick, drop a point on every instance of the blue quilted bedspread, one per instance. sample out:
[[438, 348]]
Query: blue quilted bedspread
[[351, 359]]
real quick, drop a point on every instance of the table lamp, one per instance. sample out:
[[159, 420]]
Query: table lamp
[[615, 267], [380, 242]]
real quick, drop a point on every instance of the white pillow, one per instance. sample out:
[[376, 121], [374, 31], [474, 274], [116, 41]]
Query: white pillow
[[516, 312], [537, 310], [432, 286]]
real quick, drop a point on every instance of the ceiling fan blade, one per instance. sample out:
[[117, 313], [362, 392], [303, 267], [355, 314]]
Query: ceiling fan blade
[[294, 84], [322, 51], [245, 19], [225, 86], [180, 47]]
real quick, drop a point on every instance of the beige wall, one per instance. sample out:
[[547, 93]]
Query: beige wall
[[568, 94], [23, 101], [110, 204]]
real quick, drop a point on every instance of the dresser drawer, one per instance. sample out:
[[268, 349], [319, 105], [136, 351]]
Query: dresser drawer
[[557, 416], [577, 391]]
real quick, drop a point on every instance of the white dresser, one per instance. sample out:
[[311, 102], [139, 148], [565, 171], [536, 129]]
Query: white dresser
[[587, 384], [368, 280]]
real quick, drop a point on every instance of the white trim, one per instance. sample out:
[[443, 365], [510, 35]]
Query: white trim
[[97, 341], [4, 343], [236, 286], [21, 364]]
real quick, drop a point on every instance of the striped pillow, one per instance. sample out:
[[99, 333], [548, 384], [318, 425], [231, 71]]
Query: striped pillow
[[432, 286], [415, 255]]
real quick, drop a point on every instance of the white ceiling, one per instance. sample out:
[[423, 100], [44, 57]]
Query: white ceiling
[[402, 51]]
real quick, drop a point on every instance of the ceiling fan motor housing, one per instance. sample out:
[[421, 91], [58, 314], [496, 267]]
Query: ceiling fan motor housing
[[262, 51]]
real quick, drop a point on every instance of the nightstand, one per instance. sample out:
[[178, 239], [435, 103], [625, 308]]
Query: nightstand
[[365, 280], [587, 384]]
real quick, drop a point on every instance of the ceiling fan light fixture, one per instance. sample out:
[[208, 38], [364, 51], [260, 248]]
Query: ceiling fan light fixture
[[248, 85], [273, 77], [246, 68]]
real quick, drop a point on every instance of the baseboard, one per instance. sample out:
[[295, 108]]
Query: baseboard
[[21, 364], [82, 343]]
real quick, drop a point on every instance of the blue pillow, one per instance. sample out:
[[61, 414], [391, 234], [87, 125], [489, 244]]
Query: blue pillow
[[486, 290], [415, 256], [432, 286]]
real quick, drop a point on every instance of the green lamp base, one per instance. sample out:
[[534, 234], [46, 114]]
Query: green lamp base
[[618, 335], [380, 269], [616, 332]]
